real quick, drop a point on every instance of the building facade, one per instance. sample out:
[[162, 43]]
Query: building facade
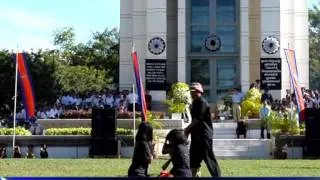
[[219, 43]]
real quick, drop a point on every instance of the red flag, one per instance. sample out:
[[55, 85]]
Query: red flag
[[294, 76], [140, 89], [25, 84]]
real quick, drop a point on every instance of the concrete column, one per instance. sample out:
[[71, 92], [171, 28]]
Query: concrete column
[[181, 69], [254, 36], [126, 40], [156, 26], [244, 45], [301, 40], [277, 20]]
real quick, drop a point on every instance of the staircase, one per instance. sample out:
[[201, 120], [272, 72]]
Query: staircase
[[227, 146]]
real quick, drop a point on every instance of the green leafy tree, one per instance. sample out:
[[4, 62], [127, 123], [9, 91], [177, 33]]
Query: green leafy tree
[[101, 52], [314, 43], [42, 66], [80, 79], [7, 79]]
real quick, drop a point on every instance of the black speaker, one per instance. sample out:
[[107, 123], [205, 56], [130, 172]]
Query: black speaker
[[105, 147], [103, 123], [312, 138], [312, 123]]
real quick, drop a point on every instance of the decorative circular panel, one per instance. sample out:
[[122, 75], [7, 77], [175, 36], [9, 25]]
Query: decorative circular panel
[[270, 45], [156, 45], [213, 43]]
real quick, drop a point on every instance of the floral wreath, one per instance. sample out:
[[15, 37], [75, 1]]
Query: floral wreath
[[156, 45], [270, 45], [213, 43]]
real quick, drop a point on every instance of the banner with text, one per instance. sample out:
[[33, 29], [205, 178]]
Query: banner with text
[[270, 73], [156, 77]]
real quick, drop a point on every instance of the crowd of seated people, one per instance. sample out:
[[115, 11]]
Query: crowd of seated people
[[121, 101]]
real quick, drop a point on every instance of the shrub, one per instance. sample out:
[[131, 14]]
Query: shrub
[[19, 131], [178, 97], [76, 114], [81, 131], [282, 124]]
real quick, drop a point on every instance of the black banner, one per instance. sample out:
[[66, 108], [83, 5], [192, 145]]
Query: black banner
[[270, 73], [156, 77]]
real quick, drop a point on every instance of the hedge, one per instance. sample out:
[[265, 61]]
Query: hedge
[[19, 131], [81, 131]]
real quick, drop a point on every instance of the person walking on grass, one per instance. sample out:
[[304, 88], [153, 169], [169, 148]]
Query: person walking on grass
[[201, 131]]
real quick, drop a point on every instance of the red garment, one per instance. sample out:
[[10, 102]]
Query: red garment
[[165, 173]]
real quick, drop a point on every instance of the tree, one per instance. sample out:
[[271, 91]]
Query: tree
[[80, 79], [7, 79], [42, 65], [101, 52], [314, 43]]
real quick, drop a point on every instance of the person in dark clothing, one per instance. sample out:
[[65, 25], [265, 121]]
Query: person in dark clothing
[[201, 134], [3, 151], [17, 152], [43, 151], [148, 98], [176, 145], [143, 151], [30, 152], [267, 96]]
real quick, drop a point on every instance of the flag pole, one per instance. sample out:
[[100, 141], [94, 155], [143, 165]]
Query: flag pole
[[290, 79], [134, 115], [134, 107], [15, 102]]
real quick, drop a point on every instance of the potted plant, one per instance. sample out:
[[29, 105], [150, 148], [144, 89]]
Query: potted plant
[[179, 99]]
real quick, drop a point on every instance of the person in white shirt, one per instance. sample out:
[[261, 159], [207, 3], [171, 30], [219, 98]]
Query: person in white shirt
[[237, 97], [132, 99], [87, 101], [109, 100], [51, 114], [95, 101], [65, 100], [117, 101], [43, 114]]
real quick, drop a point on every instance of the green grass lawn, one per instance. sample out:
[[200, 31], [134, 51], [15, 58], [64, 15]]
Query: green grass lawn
[[118, 167]]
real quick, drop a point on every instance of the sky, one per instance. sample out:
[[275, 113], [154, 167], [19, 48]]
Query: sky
[[29, 24]]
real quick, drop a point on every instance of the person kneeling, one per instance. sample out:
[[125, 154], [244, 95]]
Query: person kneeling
[[143, 151], [176, 145]]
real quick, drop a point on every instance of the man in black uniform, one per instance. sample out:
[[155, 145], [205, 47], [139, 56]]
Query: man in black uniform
[[201, 134]]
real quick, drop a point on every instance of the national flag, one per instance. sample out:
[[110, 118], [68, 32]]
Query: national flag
[[140, 89], [294, 76], [25, 85]]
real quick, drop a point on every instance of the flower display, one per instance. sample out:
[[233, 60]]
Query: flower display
[[270, 45], [156, 45], [179, 97], [213, 43]]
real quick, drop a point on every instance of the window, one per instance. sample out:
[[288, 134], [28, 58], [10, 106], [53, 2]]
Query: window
[[228, 38], [200, 11], [200, 71], [226, 11], [216, 71], [197, 37], [226, 76], [209, 17]]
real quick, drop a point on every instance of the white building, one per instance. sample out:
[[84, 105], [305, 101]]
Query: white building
[[215, 42]]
